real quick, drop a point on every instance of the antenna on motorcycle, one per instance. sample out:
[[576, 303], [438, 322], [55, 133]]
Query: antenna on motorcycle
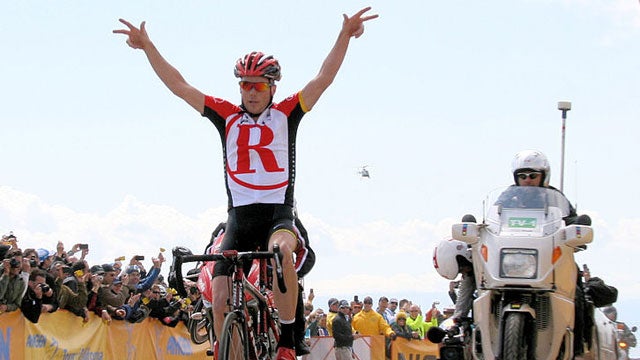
[[563, 106]]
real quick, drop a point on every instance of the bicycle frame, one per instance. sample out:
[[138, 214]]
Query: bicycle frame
[[252, 307]]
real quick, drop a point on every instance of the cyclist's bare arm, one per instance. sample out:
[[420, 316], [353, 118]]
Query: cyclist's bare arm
[[139, 39], [351, 26]]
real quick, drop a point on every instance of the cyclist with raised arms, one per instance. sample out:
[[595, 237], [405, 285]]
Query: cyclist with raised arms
[[258, 140]]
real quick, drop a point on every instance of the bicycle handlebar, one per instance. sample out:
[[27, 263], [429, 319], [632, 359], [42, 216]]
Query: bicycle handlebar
[[231, 255]]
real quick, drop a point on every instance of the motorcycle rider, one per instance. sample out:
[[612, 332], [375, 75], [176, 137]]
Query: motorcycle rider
[[626, 334], [529, 168]]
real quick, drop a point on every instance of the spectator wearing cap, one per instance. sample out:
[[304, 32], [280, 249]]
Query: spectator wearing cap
[[12, 285], [342, 332], [73, 294], [393, 307], [105, 291], [45, 259], [71, 280], [93, 287], [109, 275], [369, 322], [334, 305], [383, 305], [136, 283], [111, 298]]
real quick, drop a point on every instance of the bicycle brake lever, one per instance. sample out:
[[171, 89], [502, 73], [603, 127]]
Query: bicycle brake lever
[[279, 272]]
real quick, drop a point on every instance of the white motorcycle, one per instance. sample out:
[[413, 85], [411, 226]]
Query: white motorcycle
[[525, 274]]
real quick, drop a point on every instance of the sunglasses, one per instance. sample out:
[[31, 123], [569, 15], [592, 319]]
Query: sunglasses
[[258, 86], [532, 176]]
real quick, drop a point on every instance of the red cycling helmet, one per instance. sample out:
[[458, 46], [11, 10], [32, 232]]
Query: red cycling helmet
[[258, 64]]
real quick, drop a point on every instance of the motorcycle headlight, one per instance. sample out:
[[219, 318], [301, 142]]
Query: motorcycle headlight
[[519, 263]]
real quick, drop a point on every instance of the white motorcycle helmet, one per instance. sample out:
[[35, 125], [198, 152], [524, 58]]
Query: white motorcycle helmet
[[532, 160], [445, 257]]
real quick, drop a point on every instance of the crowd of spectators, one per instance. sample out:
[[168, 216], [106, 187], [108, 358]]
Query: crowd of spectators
[[391, 318], [38, 281]]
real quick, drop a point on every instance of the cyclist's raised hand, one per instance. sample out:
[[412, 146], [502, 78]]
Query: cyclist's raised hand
[[354, 26], [137, 37]]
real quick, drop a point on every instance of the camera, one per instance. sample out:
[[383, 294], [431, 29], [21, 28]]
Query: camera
[[33, 263], [14, 263], [83, 246], [45, 288], [139, 257], [355, 299]]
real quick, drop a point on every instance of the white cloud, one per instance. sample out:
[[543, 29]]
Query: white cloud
[[374, 257]]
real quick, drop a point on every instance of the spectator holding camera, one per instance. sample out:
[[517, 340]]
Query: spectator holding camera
[[39, 296], [12, 285], [136, 261], [136, 282], [93, 287], [60, 254]]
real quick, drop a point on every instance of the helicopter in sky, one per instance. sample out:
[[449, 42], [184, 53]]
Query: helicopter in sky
[[363, 172]]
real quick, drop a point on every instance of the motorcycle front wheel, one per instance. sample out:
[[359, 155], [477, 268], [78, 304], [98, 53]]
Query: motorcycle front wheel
[[514, 344]]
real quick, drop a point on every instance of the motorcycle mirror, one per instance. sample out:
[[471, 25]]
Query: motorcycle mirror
[[577, 235], [466, 232]]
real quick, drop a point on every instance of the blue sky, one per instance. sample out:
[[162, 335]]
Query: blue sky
[[435, 98]]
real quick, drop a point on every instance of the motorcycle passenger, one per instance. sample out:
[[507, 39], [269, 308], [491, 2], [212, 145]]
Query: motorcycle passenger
[[453, 257]]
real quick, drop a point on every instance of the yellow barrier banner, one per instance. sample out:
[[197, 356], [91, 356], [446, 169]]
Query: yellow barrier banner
[[364, 348], [402, 349], [63, 335]]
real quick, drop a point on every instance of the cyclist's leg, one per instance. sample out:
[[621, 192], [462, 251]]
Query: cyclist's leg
[[286, 303], [220, 286]]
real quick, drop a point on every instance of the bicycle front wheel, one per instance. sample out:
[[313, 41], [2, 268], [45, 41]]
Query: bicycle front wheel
[[233, 340]]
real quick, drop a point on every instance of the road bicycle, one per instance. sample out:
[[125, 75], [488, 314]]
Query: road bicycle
[[251, 329]]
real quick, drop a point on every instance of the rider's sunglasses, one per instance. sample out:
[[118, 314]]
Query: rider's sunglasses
[[531, 175], [258, 86]]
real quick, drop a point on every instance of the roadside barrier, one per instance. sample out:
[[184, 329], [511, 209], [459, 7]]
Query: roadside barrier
[[63, 335], [373, 348]]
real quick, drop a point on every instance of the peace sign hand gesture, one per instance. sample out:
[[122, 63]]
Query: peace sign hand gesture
[[138, 38], [354, 25]]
